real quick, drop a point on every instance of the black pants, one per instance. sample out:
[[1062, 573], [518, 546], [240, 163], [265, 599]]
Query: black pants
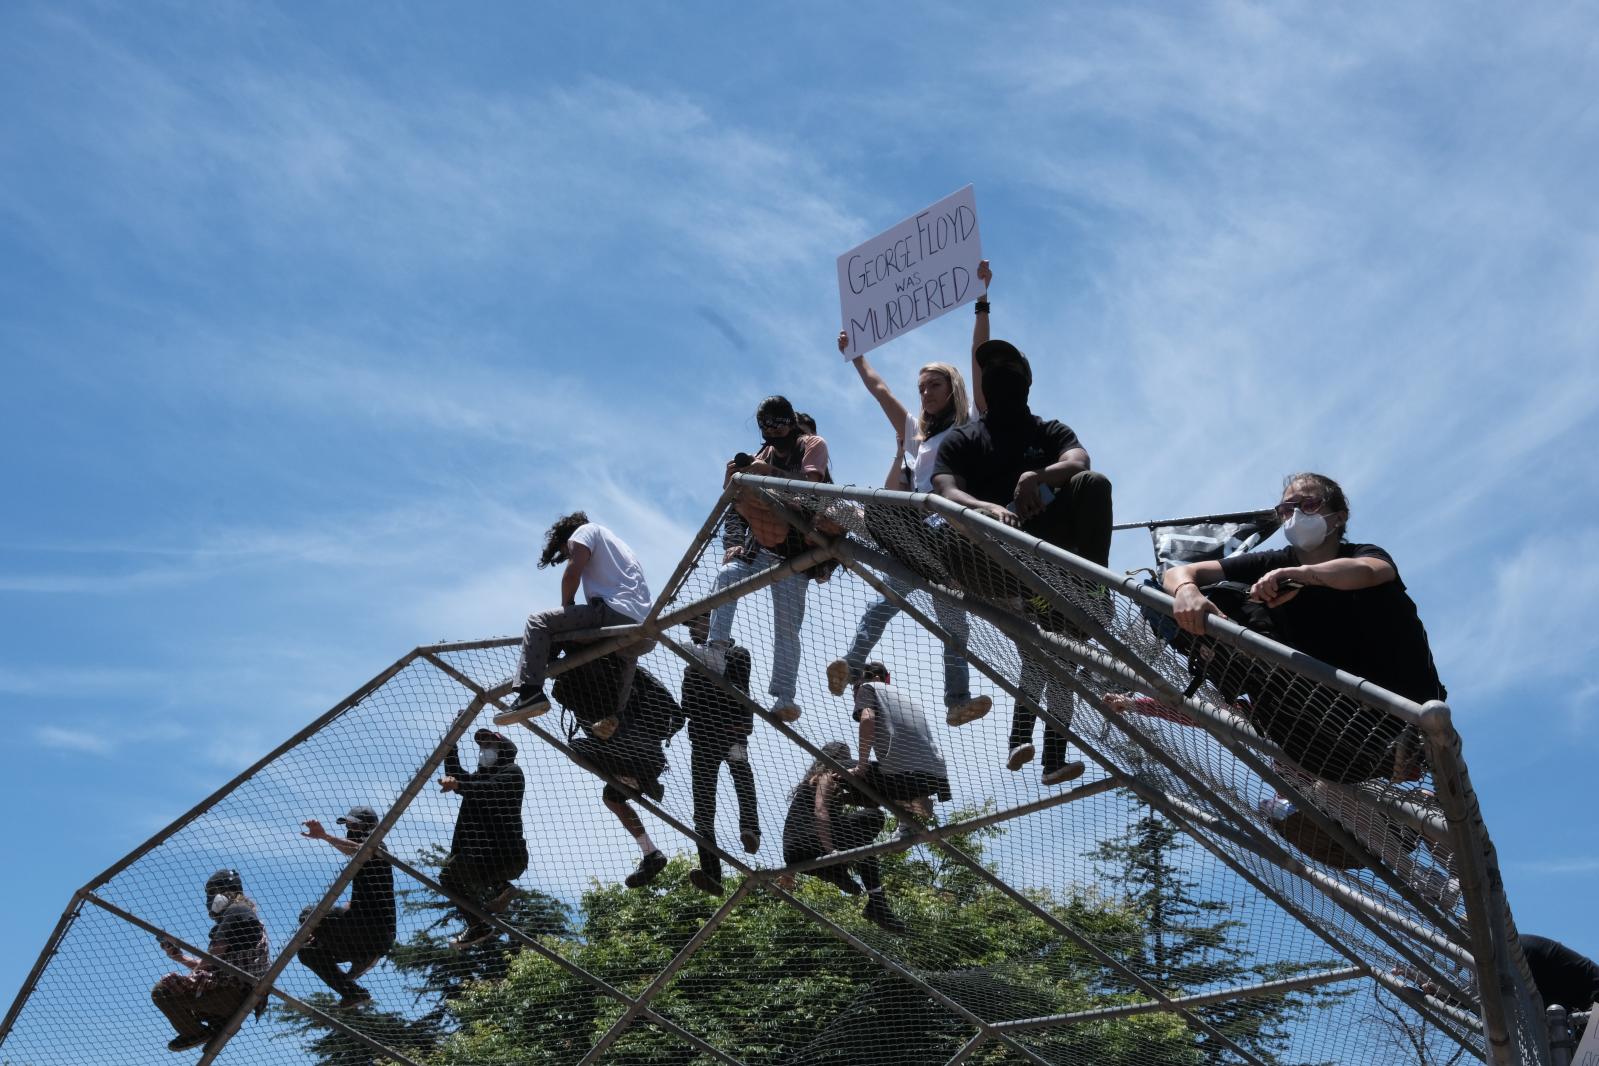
[[480, 877], [346, 935], [853, 828], [194, 1001], [709, 748], [1077, 520]]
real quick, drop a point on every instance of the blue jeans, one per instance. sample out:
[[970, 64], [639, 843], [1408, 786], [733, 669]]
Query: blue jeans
[[788, 614], [957, 676]]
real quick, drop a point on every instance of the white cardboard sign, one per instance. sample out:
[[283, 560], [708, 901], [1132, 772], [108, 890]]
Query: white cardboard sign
[[910, 274], [1587, 1053]]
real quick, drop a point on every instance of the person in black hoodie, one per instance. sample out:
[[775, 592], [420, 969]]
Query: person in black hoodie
[[488, 850], [719, 728], [361, 931], [200, 1002], [632, 754]]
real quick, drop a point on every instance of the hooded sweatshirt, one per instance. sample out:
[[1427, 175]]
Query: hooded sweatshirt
[[489, 825]]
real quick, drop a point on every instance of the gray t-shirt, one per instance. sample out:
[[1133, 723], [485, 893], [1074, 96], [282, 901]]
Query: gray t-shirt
[[902, 741]]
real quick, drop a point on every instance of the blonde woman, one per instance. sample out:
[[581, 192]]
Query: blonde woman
[[944, 405]]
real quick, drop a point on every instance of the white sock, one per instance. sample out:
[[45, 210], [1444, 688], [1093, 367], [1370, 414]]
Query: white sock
[[645, 844]]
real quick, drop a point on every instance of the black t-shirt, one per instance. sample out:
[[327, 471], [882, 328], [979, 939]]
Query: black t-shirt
[[372, 894], [1562, 975], [1374, 633], [989, 458]]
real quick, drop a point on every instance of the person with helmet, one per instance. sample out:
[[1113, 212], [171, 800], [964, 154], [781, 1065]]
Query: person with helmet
[[200, 1002], [361, 931], [487, 850]]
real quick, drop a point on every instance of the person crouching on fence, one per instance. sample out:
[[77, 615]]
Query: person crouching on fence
[[610, 576], [200, 1002], [361, 931], [908, 767], [818, 824], [768, 540], [487, 850], [1341, 602], [943, 407]]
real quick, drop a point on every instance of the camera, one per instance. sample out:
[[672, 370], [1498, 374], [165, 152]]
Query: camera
[[742, 459]]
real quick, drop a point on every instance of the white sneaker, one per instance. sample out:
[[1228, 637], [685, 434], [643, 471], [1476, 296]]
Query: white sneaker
[[712, 656], [969, 711], [1063, 773], [1020, 756]]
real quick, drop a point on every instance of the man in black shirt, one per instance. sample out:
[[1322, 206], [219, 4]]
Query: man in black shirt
[[1033, 474], [361, 931], [488, 850], [200, 1002], [1561, 974], [1340, 602]]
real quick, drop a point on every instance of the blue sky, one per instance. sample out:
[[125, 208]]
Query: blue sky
[[312, 318]]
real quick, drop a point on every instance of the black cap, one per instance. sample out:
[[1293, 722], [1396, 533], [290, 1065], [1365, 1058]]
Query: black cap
[[991, 352], [489, 736], [361, 818]]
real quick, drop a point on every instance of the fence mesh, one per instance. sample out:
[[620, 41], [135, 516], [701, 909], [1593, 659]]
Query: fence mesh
[[1199, 854]]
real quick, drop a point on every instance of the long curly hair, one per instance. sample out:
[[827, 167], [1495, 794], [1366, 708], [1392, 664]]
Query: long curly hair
[[555, 540]]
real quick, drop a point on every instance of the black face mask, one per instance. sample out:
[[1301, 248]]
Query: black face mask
[[1006, 389]]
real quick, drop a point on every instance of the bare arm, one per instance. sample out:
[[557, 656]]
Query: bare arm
[[868, 735], [572, 576], [893, 410], [1029, 502], [820, 805], [953, 489], [1192, 605], [980, 336], [176, 954], [343, 845], [1345, 575]]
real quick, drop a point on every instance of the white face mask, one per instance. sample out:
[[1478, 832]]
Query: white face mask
[[1305, 531], [219, 903], [487, 757]]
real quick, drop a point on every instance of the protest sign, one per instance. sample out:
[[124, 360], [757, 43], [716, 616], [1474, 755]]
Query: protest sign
[[910, 274], [1588, 1051]]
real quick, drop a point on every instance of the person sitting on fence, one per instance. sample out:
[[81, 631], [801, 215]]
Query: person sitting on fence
[[1030, 473], [787, 453], [200, 1003], [630, 756], [488, 850], [1341, 602], [817, 824], [719, 728], [611, 578], [944, 406], [361, 931], [1563, 975], [907, 768]]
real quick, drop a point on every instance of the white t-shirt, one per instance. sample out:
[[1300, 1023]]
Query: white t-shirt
[[613, 573], [903, 743], [920, 454]]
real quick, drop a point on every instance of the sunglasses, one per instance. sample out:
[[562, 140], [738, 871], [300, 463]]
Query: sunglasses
[[779, 422], [1307, 504]]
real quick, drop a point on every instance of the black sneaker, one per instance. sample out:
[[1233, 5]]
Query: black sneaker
[[706, 881], [475, 933], [839, 876], [751, 839], [530, 703], [878, 914], [355, 997], [654, 790], [184, 1043], [649, 868]]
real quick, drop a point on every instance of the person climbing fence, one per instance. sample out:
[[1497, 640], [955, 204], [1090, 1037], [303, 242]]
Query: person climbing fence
[[487, 851], [200, 1003], [361, 931]]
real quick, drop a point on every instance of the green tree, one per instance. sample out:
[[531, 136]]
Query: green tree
[[1186, 942]]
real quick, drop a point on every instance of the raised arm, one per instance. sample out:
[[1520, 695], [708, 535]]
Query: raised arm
[[344, 845], [980, 336], [893, 410]]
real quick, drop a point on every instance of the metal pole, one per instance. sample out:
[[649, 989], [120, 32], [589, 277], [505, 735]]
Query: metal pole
[[653, 989], [532, 944], [242, 975], [1200, 520], [968, 1049], [1562, 1042], [45, 955], [685, 564], [368, 846], [1206, 999], [206, 804]]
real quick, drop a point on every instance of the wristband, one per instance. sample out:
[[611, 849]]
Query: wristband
[[981, 307], [1179, 588]]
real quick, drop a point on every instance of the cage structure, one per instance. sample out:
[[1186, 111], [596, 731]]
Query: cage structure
[[1158, 908]]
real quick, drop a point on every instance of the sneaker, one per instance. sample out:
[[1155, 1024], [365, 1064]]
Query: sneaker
[[355, 997], [968, 710], [654, 790], [1063, 773], [705, 881], [751, 839], [1020, 756], [502, 901], [184, 1043], [530, 703], [837, 676], [649, 868], [877, 912], [605, 728], [475, 933], [712, 656], [786, 711]]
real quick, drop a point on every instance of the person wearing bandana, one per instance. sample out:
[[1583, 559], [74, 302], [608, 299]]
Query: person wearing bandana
[[488, 850], [1033, 474]]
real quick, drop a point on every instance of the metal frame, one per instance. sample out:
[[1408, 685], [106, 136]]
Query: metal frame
[[1486, 942]]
